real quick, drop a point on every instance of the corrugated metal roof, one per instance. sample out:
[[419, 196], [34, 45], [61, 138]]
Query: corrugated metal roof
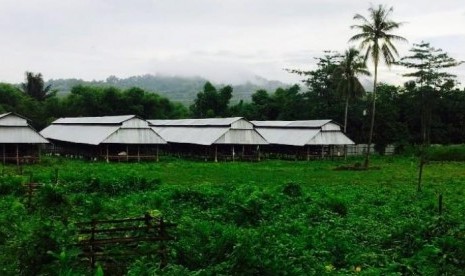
[[191, 135], [302, 137], [302, 123], [331, 138], [288, 136], [82, 134], [4, 114], [241, 137], [140, 136], [195, 122], [98, 134], [20, 135], [110, 120], [13, 119], [210, 135]]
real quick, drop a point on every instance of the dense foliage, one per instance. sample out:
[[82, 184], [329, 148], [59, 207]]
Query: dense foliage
[[291, 218]]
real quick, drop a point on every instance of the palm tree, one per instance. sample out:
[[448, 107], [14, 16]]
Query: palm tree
[[348, 84], [375, 38], [35, 87]]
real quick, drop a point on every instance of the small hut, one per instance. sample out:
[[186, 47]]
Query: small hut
[[303, 139], [214, 138], [120, 138], [20, 143]]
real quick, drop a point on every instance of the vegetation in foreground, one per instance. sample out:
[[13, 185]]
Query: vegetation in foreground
[[267, 218]]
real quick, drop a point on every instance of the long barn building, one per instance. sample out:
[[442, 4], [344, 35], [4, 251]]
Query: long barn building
[[211, 139], [121, 138], [303, 139], [19, 142]]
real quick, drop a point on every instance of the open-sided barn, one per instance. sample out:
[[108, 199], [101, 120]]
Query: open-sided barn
[[125, 137], [20, 143], [309, 138], [215, 138]]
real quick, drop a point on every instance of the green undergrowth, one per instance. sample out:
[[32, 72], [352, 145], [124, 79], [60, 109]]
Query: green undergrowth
[[266, 218]]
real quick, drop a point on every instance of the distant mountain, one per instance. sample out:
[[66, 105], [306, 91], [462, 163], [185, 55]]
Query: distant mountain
[[179, 89]]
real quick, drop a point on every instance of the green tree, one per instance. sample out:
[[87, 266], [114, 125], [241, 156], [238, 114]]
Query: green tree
[[375, 38], [212, 103], [348, 84], [430, 79], [428, 64], [35, 87]]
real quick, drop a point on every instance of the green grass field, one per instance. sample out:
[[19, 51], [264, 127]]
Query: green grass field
[[267, 218]]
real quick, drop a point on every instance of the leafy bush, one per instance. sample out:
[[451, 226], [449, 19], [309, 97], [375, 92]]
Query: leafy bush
[[447, 153], [292, 189], [11, 185]]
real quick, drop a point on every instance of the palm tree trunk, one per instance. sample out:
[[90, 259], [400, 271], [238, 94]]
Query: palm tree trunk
[[345, 114], [373, 109]]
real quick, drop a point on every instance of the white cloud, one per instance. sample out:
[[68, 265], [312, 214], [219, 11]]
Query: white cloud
[[224, 40]]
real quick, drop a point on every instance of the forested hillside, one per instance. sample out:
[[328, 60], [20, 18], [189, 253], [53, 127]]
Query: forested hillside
[[175, 88]]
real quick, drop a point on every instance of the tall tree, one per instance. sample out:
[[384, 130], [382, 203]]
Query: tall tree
[[428, 64], [212, 103], [348, 84], [375, 38], [35, 87]]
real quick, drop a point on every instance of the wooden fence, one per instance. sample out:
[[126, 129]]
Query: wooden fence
[[112, 242]]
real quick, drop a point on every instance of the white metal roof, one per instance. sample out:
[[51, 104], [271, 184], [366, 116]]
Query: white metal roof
[[141, 136], [196, 122], [14, 129], [12, 119], [331, 138], [81, 134], [301, 123], [210, 135], [191, 135], [288, 136], [20, 135], [303, 136], [95, 120], [102, 130]]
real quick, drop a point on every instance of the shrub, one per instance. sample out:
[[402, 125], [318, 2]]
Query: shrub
[[447, 153], [292, 189], [11, 185]]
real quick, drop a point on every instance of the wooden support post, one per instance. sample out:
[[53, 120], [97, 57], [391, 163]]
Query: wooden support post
[[127, 153], [17, 155], [40, 152], [157, 158], [308, 153], [243, 152], [233, 153], [258, 152], [322, 151], [4, 157], [138, 153], [107, 154], [216, 153]]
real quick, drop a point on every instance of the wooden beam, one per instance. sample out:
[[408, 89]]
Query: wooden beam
[[17, 155], [216, 153]]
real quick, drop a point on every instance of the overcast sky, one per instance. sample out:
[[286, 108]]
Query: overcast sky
[[225, 41]]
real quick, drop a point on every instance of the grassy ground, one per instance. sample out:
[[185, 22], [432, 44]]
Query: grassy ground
[[267, 218]]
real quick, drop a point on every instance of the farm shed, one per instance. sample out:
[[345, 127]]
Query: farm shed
[[20, 143], [121, 138], [215, 138], [303, 139]]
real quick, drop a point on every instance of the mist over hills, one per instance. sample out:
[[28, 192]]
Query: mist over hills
[[175, 88]]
